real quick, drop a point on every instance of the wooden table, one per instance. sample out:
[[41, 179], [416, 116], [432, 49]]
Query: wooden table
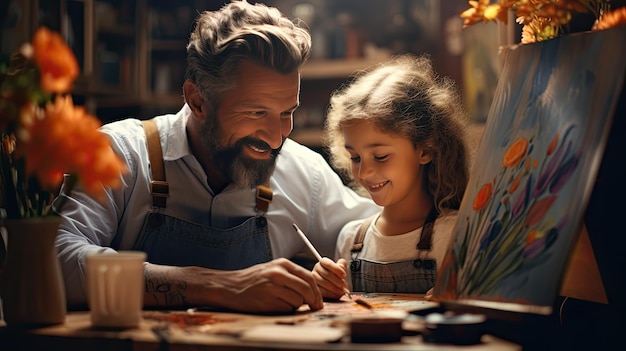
[[327, 329]]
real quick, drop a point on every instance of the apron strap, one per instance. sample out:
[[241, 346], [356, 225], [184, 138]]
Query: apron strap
[[357, 246], [423, 244], [360, 235], [159, 188], [264, 195]]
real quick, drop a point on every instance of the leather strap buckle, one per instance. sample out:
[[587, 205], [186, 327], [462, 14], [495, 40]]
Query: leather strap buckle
[[264, 196]]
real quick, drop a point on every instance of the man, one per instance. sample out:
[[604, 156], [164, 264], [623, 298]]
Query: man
[[208, 241]]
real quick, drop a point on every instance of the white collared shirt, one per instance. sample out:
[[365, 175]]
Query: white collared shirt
[[306, 192]]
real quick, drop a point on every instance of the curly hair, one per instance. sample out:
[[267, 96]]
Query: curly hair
[[404, 96], [242, 31]]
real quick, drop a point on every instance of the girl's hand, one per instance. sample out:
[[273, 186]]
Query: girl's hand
[[331, 277]]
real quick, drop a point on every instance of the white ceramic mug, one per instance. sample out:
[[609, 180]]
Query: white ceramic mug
[[115, 288]]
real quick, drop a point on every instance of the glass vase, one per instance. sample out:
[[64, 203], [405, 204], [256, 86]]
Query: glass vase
[[31, 282]]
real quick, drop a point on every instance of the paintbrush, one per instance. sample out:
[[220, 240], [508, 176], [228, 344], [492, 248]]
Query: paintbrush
[[360, 301], [315, 253]]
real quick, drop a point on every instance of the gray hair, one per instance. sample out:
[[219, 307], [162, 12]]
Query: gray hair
[[242, 31]]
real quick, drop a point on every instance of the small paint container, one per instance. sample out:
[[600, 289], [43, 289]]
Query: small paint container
[[376, 329], [461, 329]]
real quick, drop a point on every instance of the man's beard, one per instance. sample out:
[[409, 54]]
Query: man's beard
[[244, 172]]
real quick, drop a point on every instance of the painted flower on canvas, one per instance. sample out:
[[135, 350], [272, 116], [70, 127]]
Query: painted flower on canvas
[[514, 202], [44, 135]]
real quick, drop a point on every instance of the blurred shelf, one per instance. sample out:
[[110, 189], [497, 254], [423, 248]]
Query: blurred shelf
[[118, 101], [168, 45], [308, 136], [90, 86], [337, 69], [173, 101], [119, 30]]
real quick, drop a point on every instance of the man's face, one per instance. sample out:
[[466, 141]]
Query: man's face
[[252, 122]]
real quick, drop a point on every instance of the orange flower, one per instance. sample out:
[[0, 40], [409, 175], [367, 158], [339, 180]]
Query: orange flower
[[67, 140], [553, 144], [557, 12], [530, 237], [538, 210], [483, 11], [474, 14], [482, 198], [42, 144], [516, 183], [56, 61], [516, 152], [611, 19], [541, 19]]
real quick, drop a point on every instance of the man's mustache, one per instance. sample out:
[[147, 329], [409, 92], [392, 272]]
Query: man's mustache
[[259, 144]]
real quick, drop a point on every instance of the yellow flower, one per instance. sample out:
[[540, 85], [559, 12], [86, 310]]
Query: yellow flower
[[483, 11], [541, 19]]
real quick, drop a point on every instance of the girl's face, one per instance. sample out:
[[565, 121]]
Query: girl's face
[[385, 164]]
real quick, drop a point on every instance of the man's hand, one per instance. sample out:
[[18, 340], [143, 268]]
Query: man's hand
[[276, 286]]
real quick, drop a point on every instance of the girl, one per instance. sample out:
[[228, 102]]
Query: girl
[[398, 131]]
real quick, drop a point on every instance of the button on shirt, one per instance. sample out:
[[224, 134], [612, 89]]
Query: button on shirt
[[306, 192]]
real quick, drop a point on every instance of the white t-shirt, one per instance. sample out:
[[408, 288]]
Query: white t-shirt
[[395, 248]]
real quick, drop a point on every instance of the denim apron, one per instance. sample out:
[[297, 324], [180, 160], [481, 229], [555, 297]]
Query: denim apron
[[172, 241], [175, 242], [415, 276]]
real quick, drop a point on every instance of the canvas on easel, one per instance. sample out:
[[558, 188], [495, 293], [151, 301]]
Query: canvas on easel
[[535, 169]]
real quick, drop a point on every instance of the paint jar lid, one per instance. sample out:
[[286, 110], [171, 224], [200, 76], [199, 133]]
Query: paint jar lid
[[458, 329]]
